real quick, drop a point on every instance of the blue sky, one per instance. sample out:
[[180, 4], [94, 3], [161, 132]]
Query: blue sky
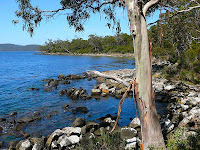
[[55, 28]]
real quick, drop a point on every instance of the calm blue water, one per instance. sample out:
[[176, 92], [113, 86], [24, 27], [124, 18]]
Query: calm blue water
[[20, 71]]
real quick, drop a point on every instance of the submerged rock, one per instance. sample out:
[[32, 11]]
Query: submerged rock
[[80, 110]]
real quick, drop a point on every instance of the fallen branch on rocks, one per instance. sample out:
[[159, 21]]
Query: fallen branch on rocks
[[90, 72]]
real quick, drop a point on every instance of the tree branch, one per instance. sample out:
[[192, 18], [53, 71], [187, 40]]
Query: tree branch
[[148, 5], [108, 77]]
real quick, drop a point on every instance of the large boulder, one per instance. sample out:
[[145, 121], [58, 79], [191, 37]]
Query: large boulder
[[128, 133], [69, 131], [24, 145], [54, 83], [25, 119]]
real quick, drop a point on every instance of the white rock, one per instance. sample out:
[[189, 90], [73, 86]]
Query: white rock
[[71, 130], [135, 122], [109, 120], [168, 125], [103, 86], [54, 144], [73, 139], [183, 101], [192, 94], [185, 114], [194, 100], [63, 141], [112, 90], [184, 107], [131, 140], [169, 87], [195, 112], [25, 145]]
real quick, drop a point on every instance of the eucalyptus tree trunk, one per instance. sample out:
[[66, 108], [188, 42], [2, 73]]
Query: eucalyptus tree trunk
[[150, 125]]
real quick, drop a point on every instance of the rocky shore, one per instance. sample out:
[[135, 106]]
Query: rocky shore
[[183, 111]]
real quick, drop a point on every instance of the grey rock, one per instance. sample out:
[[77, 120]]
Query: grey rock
[[131, 143], [128, 133], [53, 83], [79, 122], [194, 101], [47, 89]]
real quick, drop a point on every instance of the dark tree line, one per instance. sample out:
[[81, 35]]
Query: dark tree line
[[120, 43]]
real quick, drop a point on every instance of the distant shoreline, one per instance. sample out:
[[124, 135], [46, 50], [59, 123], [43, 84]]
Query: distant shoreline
[[93, 54]]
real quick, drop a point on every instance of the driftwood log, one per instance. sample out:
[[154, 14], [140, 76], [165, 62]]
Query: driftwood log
[[93, 72]]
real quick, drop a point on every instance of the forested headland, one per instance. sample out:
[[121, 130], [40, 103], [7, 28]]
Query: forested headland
[[174, 39]]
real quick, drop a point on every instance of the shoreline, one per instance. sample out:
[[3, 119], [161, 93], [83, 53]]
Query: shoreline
[[93, 54]]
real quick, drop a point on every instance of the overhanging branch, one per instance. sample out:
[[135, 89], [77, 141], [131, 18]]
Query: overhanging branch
[[148, 5]]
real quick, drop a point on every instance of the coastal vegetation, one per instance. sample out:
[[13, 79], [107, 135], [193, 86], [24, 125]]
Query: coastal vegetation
[[121, 43]]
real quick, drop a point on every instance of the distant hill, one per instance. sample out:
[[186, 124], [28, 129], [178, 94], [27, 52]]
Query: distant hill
[[13, 47]]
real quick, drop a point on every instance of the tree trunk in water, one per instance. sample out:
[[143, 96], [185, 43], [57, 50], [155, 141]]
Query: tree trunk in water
[[150, 125]]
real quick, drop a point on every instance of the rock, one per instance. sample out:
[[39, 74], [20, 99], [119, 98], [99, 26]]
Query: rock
[[75, 94], [54, 136], [99, 131], [72, 131], [63, 141], [104, 88], [119, 92], [24, 145], [95, 92], [64, 82], [118, 96], [194, 101], [128, 133], [34, 89], [89, 97], [80, 110], [54, 83], [192, 94], [61, 76], [54, 145], [195, 112], [112, 90], [25, 120], [62, 92], [75, 77], [74, 139], [104, 94], [184, 107], [185, 121], [1, 144], [79, 122], [109, 120], [131, 143], [38, 144], [12, 144], [47, 89], [2, 119], [169, 87], [13, 113], [66, 106], [168, 125], [20, 126], [135, 123]]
